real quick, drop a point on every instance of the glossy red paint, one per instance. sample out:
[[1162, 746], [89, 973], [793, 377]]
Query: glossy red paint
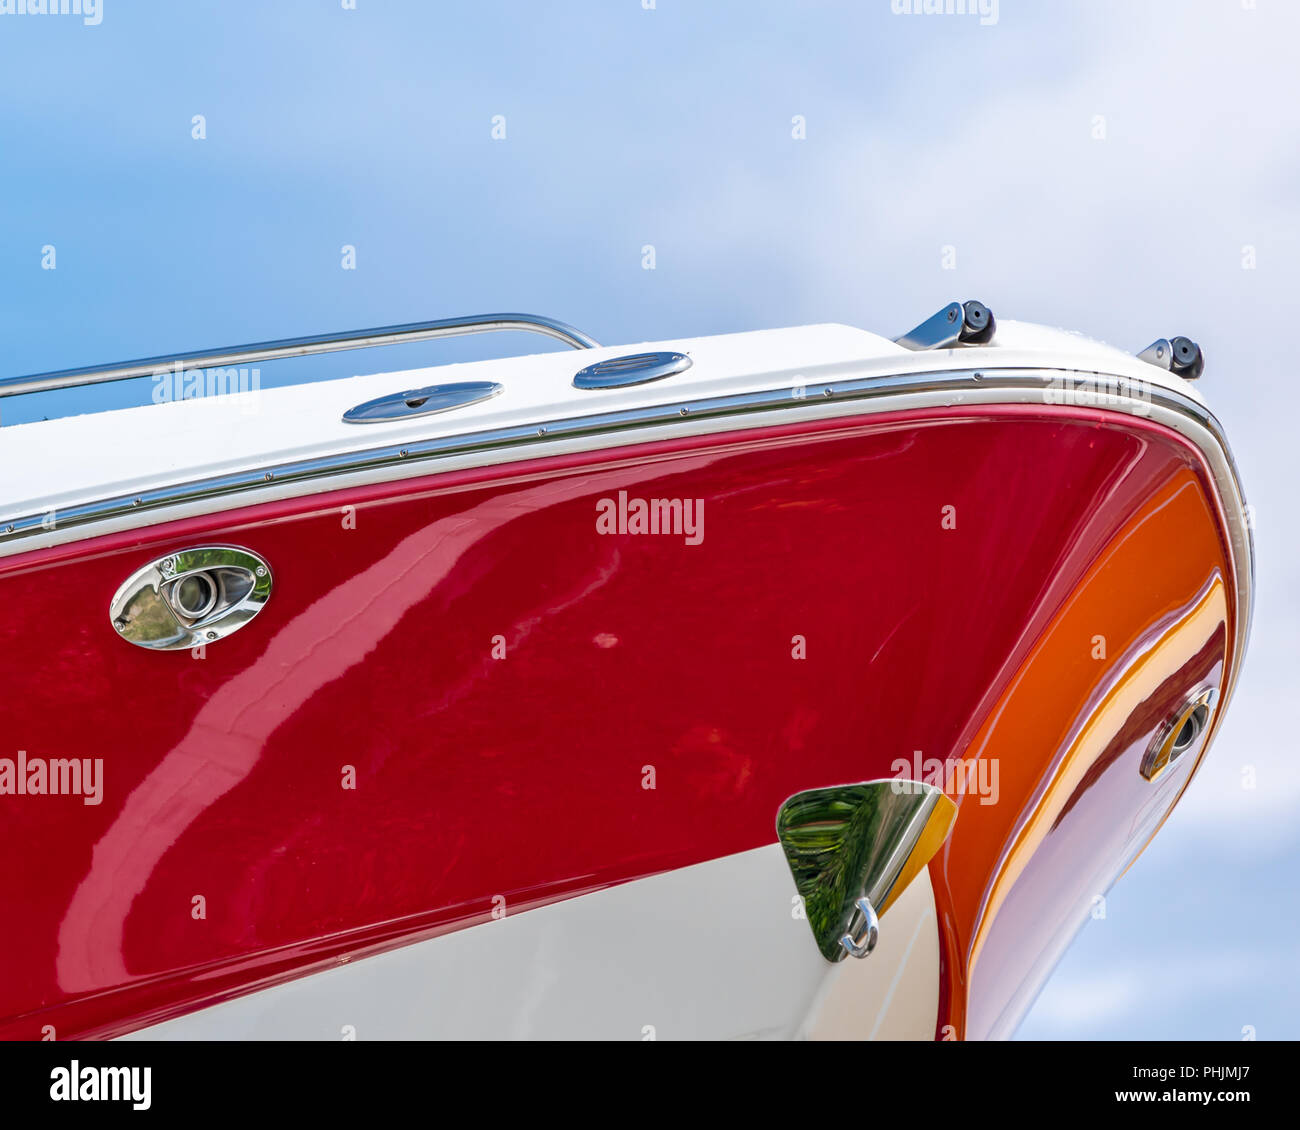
[[522, 776]]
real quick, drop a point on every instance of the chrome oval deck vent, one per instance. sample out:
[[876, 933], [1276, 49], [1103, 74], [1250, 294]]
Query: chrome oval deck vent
[[1181, 732], [421, 402], [193, 597], [636, 369]]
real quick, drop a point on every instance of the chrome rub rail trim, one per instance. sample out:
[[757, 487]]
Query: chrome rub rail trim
[[298, 347], [985, 386]]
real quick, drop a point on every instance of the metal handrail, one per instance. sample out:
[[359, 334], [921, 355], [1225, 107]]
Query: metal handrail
[[298, 347]]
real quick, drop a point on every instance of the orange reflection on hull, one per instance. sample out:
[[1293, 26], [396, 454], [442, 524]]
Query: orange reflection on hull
[[1148, 621]]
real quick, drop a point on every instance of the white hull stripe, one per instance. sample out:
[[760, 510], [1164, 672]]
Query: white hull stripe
[[713, 951]]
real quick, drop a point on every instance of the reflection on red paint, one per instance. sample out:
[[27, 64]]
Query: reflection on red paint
[[494, 678]]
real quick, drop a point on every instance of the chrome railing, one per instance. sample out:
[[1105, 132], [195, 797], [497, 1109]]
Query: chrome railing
[[298, 347]]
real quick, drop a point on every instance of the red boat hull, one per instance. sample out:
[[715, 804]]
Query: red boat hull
[[497, 677]]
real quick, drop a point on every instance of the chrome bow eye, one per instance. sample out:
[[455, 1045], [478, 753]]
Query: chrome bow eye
[[864, 930], [853, 849]]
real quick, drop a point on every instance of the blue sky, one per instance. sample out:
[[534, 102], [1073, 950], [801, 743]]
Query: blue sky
[[672, 127]]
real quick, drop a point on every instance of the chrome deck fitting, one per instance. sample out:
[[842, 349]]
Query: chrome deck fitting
[[1178, 355], [958, 323]]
